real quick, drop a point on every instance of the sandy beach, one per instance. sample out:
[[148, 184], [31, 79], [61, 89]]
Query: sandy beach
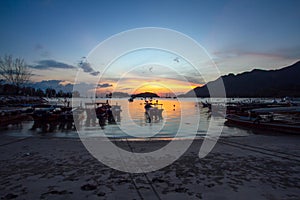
[[150, 100], [252, 167]]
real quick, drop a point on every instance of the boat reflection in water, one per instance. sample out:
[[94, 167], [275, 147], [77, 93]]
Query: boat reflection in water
[[119, 118], [104, 112], [153, 111], [107, 114], [129, 120], [49, 118]]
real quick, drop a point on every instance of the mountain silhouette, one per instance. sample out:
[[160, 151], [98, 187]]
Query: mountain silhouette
[[257, 83], [145, 95]]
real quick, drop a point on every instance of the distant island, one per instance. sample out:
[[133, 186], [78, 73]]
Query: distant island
[[145, 94], [257, 83]]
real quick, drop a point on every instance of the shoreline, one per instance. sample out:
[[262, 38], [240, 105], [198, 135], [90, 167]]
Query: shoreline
[[252, 167]]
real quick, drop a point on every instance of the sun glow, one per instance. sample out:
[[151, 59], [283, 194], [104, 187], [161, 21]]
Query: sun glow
[[161, 87]]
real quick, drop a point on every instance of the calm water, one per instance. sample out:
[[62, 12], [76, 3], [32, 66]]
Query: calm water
[[185, 115]]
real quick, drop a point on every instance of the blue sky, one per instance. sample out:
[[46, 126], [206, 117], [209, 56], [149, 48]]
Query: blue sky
[[238, 35]]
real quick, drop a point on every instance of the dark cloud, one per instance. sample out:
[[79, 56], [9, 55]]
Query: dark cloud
[[95, 73], [47, 64], [50, 64], [104, 85], [126, 88], [87, 68], [195, 80], [33, 74]]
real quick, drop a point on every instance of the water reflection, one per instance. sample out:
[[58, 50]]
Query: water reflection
[[127, 120], [103, 112]]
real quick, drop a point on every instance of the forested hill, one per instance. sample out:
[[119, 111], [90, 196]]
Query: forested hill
[[258, 83]]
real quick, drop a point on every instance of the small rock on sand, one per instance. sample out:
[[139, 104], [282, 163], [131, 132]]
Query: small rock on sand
[[88, 187]]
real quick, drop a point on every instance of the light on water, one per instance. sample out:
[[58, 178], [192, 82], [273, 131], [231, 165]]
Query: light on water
[[133, 124]]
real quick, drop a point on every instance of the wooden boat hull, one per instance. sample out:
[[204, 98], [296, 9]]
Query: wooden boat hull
[[256, 124]]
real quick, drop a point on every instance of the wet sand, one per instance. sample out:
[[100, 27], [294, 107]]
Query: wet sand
[[252, 167]]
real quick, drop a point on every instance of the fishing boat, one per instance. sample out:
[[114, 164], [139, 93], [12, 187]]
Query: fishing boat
[[154, 112], [103, 112], [49, 117], [130, 99], [279, 119], [12, 116]]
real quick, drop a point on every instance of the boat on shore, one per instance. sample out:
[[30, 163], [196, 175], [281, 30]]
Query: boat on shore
[[279, 119], [51, 117], [13, 116], [17, 100]]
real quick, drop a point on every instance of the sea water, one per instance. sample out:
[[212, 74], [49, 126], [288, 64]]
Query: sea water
[[183, 118]]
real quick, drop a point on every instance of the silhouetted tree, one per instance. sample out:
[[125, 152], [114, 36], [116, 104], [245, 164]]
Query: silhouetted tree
[[39, 93], [10, 89], [14, 71], [60, 93], [50, 92]]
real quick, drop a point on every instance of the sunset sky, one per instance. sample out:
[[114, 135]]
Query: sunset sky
[[53, 36]]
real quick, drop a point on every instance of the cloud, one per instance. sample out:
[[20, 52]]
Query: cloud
[[195, 80], [127, 88], [94, 73], [237, 61], [39, 48], [87, 68], [104, 85], [47, 64], [233, 53], [51, 64], [289, 52], [39, 75]]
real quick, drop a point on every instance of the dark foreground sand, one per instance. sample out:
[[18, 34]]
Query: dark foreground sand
[[252, 167]]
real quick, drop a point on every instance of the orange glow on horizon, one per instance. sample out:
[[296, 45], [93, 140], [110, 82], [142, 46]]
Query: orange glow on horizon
[[64, 83], [162, 90], [159, 87]]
